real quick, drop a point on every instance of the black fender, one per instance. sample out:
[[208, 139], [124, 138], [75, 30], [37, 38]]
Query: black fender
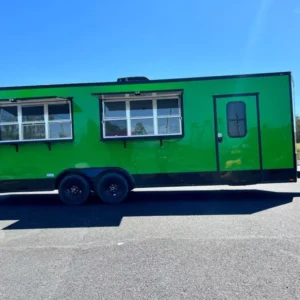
[[92, 175]]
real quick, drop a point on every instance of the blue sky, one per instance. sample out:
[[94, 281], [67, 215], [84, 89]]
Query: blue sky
[[45, 42]]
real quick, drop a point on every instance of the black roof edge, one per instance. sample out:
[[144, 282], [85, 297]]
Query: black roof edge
[[35, 98], [134, 92], [63, 85]]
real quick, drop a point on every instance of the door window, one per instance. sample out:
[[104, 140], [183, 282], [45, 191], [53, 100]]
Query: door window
[[236, 119]]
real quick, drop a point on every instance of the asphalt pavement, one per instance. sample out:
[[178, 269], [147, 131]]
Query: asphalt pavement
[[205, 243]]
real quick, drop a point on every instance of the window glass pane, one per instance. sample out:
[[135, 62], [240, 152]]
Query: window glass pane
[[141, 108], [235, 110], [168, 125], [60, 130], [59, 112], [9, 114], [236, 128], [9, 132], [142, 127], [236, 119], [116, 128], [32, 113], [115, 109], [167, 107], [34, 132]]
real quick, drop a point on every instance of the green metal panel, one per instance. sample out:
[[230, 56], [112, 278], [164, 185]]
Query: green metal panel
[[195, 152], [238, 153]]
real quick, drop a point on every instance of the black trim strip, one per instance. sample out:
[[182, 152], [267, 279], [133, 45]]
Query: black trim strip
[[259, 137], [214, 178], [148, 82], [47, 142], [27, 185], [134, 138], [72, 114], [164, 179], [134, 92], [101, 120], [182, 114], [235, 95], [216, 135], [13, 99], [35, 141], [292, 121]]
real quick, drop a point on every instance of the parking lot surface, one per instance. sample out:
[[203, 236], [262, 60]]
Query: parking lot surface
[[200, 243]]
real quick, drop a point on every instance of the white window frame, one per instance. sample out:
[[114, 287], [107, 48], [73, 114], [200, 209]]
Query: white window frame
[[20, 115], [65, 121], [127, 98], [12, 123], [46, 122]]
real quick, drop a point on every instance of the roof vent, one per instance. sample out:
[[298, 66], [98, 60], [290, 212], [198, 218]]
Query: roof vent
[[133, 79]]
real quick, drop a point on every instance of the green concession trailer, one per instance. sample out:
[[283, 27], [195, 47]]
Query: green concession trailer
[[109, 138]]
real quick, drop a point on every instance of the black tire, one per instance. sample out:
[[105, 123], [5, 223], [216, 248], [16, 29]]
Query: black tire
[[74, 190], [112, 188]]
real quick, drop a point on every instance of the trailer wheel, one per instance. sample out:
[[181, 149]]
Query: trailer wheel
[[112, 188], [74, 190]]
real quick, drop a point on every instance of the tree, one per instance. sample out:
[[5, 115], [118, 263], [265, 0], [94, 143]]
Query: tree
[[297, 122], [298, 128], [140, 129]]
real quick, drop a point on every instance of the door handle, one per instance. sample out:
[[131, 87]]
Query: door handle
[[220, 137]]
